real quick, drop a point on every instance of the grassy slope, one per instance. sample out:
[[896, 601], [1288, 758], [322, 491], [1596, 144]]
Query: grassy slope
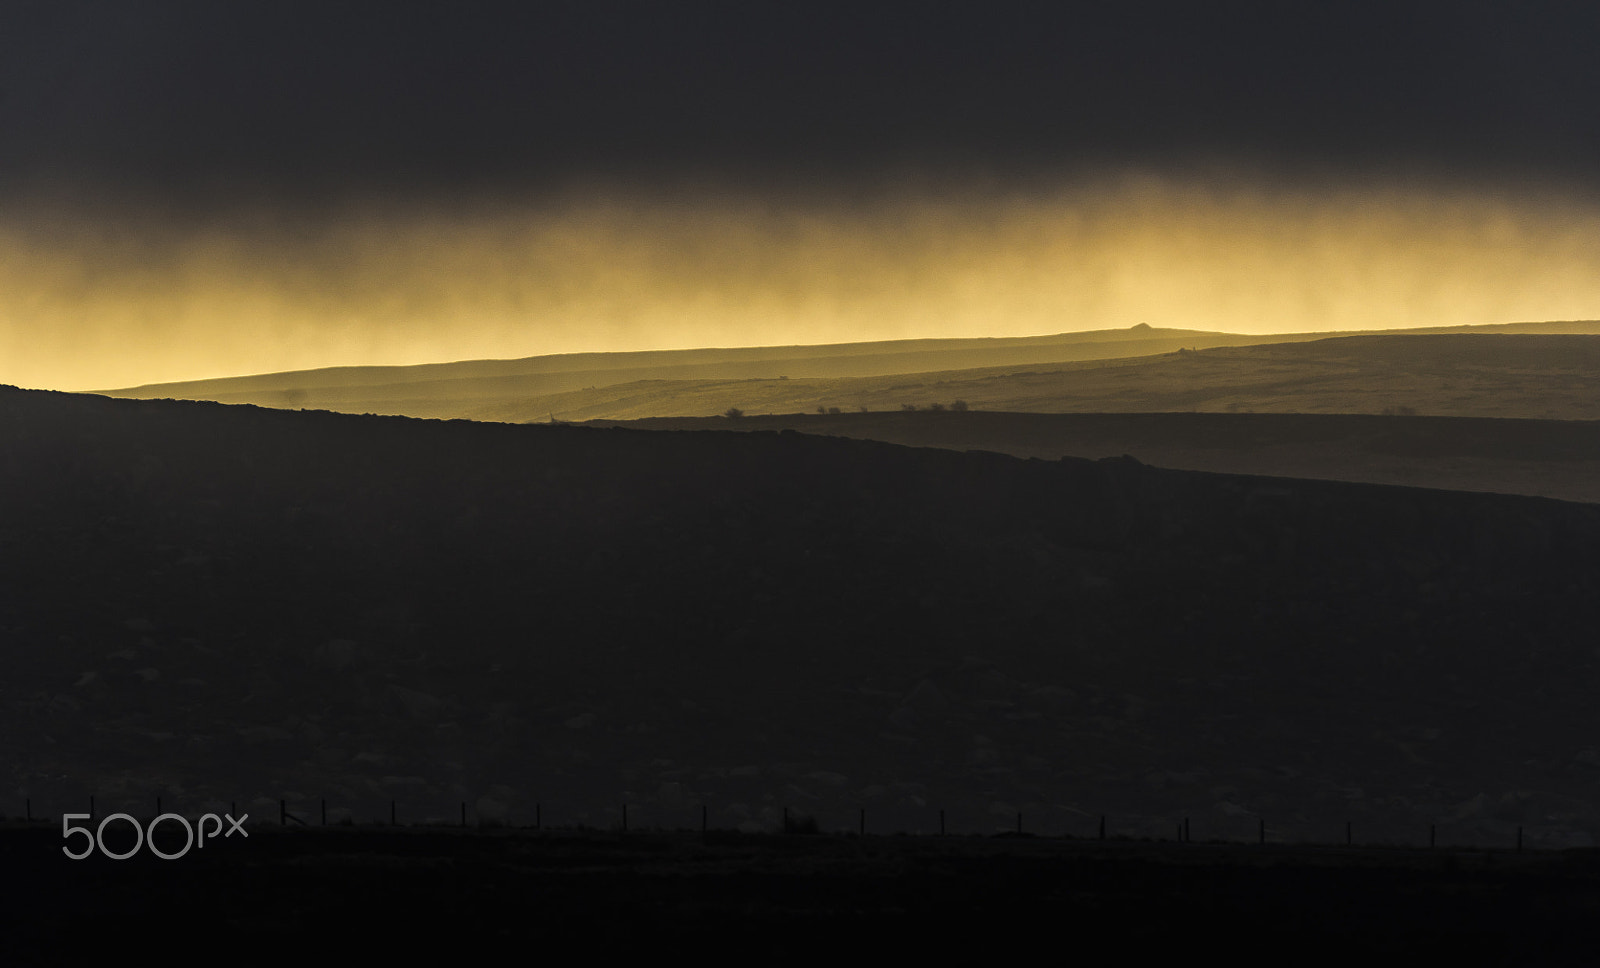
[[479, 379], [1039, 373], [1531, 376]]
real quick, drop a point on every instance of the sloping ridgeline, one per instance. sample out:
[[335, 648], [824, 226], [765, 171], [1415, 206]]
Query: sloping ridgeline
[[211, 601]]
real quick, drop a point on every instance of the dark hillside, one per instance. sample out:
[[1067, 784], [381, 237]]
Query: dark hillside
[[230, 603]]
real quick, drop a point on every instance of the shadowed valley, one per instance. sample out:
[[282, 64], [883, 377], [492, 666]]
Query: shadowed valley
[[1545, 458]]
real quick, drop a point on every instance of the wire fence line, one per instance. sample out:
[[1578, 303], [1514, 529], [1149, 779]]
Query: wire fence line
[[624, 817]]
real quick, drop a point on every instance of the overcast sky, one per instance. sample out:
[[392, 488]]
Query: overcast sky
[[172, 97], [134, 135]]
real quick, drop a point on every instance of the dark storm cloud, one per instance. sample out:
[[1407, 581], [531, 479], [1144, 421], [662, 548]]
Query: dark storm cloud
[[310, 97]]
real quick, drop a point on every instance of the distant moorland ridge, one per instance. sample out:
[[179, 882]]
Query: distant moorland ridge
[[1519, 372]]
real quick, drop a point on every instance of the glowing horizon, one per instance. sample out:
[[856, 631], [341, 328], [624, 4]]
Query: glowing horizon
[[90, 301]]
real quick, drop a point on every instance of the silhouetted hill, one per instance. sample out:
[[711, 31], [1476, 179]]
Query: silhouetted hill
[[232, 603], [1544, 458]]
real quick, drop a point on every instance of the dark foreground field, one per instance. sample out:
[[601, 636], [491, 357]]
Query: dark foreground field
[[207, 604], [361, 895]]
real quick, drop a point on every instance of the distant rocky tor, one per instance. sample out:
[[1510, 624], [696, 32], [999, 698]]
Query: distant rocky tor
[[222, 605]]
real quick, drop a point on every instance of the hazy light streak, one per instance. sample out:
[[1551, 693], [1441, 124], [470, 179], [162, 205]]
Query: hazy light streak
[[91, 300]]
